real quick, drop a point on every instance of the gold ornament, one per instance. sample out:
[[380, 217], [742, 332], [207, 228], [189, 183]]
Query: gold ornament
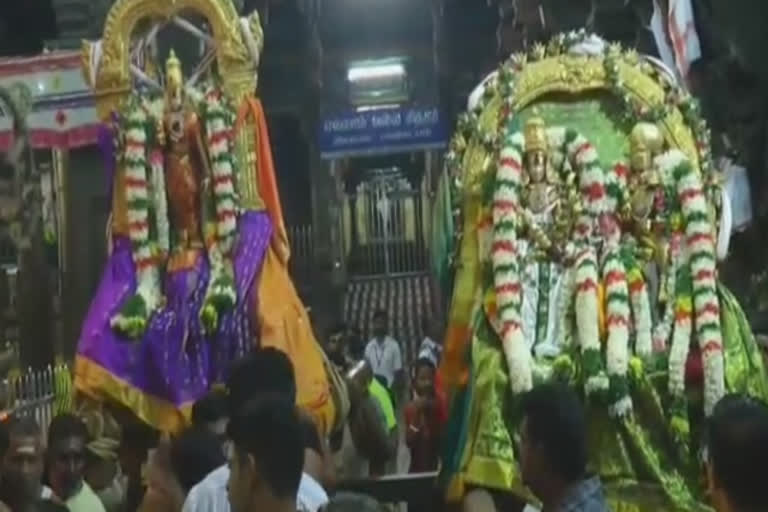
[[645, 137], [535, 133], [172, 67]]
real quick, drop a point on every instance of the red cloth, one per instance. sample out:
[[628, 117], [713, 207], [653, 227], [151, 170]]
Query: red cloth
[[442, 401], [424, 424]]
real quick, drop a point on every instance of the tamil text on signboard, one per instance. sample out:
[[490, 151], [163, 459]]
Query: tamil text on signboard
[[381, 131]]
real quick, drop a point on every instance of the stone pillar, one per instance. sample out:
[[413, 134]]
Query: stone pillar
[[329, 276], [35, 306]]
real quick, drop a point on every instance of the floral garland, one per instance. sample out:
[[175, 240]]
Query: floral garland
[[565, 304], [663, 329], [616, 187], [218, 120], [591, 183], [641, 312], [160, 201], [678, 356], [700, 249], [506, 270], [588, 321], [221, 294], [134, 314], [617, 326], [156, 108]]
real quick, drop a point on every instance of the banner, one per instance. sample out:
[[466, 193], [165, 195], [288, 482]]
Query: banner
[[393, 130], [63, 112]]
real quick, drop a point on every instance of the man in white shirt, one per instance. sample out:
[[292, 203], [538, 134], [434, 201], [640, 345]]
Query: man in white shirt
[[383, 354], [265, 372]]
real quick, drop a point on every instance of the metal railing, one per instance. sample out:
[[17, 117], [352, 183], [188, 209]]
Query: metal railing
[[37, 393], [384, 229], [302, 252]]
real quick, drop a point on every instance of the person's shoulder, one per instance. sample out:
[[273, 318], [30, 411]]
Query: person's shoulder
[[47, 505], [88, 500], [311, 495], [207, 490], [392, 342]]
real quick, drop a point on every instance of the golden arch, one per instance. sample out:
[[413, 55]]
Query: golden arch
[[574, 75], [113, 79]]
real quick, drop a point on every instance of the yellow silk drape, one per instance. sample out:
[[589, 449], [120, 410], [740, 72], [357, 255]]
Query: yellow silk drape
[[283, 322]]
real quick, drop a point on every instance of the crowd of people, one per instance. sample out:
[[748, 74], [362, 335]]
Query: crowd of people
[[249, 448]]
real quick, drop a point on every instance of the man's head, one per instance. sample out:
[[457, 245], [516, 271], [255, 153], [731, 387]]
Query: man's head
[[22, 467], [268, 454], [263, 372], [211, 413], [336, 345], [424, 377], [67, 439], [195, 453], [738, 449], [380, 323], [553, 439]]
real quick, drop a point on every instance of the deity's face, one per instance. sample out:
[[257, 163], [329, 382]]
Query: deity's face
[[537, 165]]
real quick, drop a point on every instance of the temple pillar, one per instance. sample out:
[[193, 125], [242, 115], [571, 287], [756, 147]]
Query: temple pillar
[[329, 277]]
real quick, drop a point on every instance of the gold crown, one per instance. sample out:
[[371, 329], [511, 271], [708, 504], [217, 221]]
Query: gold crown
[[173, 62], [535, 133], [172, 65], [645, 137]]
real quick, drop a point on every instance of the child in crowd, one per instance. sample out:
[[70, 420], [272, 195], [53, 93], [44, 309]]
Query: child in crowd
[[424, 418]]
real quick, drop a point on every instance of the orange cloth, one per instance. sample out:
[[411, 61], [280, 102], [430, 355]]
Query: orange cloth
[[284, 324], [282, 318], [266, 177]]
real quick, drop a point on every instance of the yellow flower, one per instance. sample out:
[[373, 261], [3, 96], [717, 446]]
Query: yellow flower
[[685, 303], [636, 367]]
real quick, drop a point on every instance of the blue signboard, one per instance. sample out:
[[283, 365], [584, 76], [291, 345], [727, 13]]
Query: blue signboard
[[382, 131]]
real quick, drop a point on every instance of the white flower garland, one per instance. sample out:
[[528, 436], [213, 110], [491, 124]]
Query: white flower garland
[[160, 200], [565, 303], [617, 326], [588, 321], [616, 193], [137, 197], [700, 252], [506, 270], [663, 329], [218, 139], [156, 109]]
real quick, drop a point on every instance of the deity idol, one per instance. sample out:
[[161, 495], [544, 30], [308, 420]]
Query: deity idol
[[183, 161], [197, 274], [639, 306]]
